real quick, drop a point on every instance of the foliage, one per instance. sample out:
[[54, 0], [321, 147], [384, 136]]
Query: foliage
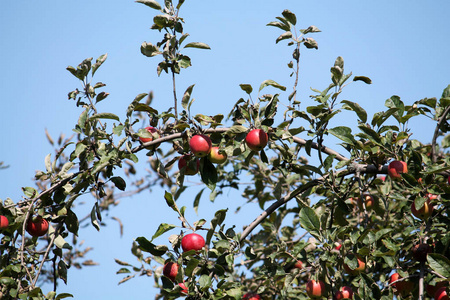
[[322, 198]]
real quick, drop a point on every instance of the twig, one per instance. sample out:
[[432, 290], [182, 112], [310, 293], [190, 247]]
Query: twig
[[436, 133]]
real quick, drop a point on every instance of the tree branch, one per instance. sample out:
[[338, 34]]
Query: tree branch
[[436, 133]]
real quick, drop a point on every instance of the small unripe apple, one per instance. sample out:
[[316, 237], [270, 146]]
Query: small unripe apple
[[424, 212], [216, 157], [345, 292], [403, 287], [420, 251], [251, 296], [432, 289], [441, 294], [315, 289], [256, 139], [191, 164], [185, 290], [298, 264], [360, 268], [37, 226], [396, 167], [153, 132], [192, 241], [200, 145], [170, 270], [3, 222], [369, 201]]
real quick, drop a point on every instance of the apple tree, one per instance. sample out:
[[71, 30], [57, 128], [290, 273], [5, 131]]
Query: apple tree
[[375, 219]]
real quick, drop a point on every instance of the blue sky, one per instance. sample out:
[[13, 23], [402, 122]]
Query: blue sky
[[401, 45]]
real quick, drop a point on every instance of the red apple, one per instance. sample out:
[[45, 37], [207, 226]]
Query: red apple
[[191, 164], [3, 222], [200, 145], [170, 270], [192, 241], [256, 139], [369, 201], [153, 132], [315, 289], [403, 287], [448, 179], [37, 226], [360, 268], [298, 264], [441, 294], [420, 252], [338, 247], [251, 296], [216, 157], [396, 167], [345, 292], [432, 289], [184, 288], [424, 212]]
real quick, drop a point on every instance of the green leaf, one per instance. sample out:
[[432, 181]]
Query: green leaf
[[187, 97], [145, 107], [98, 63], [290, 16], [362, 114], [94, 221], [446, 92], [280, 25], [147, 246], [205, 282], [271, 83], [150, 3], [208, 173], [395, 102], [163, 228], [246, 88], [169, 199], [63, 295], [132, 105], [310, 221], [236, 129], [343, 133], [311, 43], [61, 243], [119, 182], [439, 264], [372, 134], [311, 28], [284, 36], [29, 192], [197, 45], [364, 79], [105, 116]]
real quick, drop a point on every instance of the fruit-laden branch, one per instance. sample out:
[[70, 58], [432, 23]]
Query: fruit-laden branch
[[352, 169], [174, 136]]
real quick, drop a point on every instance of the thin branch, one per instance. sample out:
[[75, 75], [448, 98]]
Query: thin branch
[[351, 170], [436, 133]]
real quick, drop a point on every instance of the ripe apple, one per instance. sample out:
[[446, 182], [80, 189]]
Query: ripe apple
[[3, 222], [403, 287], [396, 167], [298, 264], [192, 241], [216, 157], [360, 268], [345, 292], [441, 294], [251, 296], [185, 289], [191, 164], [151, 130], [37, 226], [448, 179], [338, 247], [315, 289], [432, 289], [420, 251], [369, 201], [256, 139], [200, 145], [170, 270], [423, 213]]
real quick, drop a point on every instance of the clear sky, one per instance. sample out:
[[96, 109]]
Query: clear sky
[[403, 46]]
